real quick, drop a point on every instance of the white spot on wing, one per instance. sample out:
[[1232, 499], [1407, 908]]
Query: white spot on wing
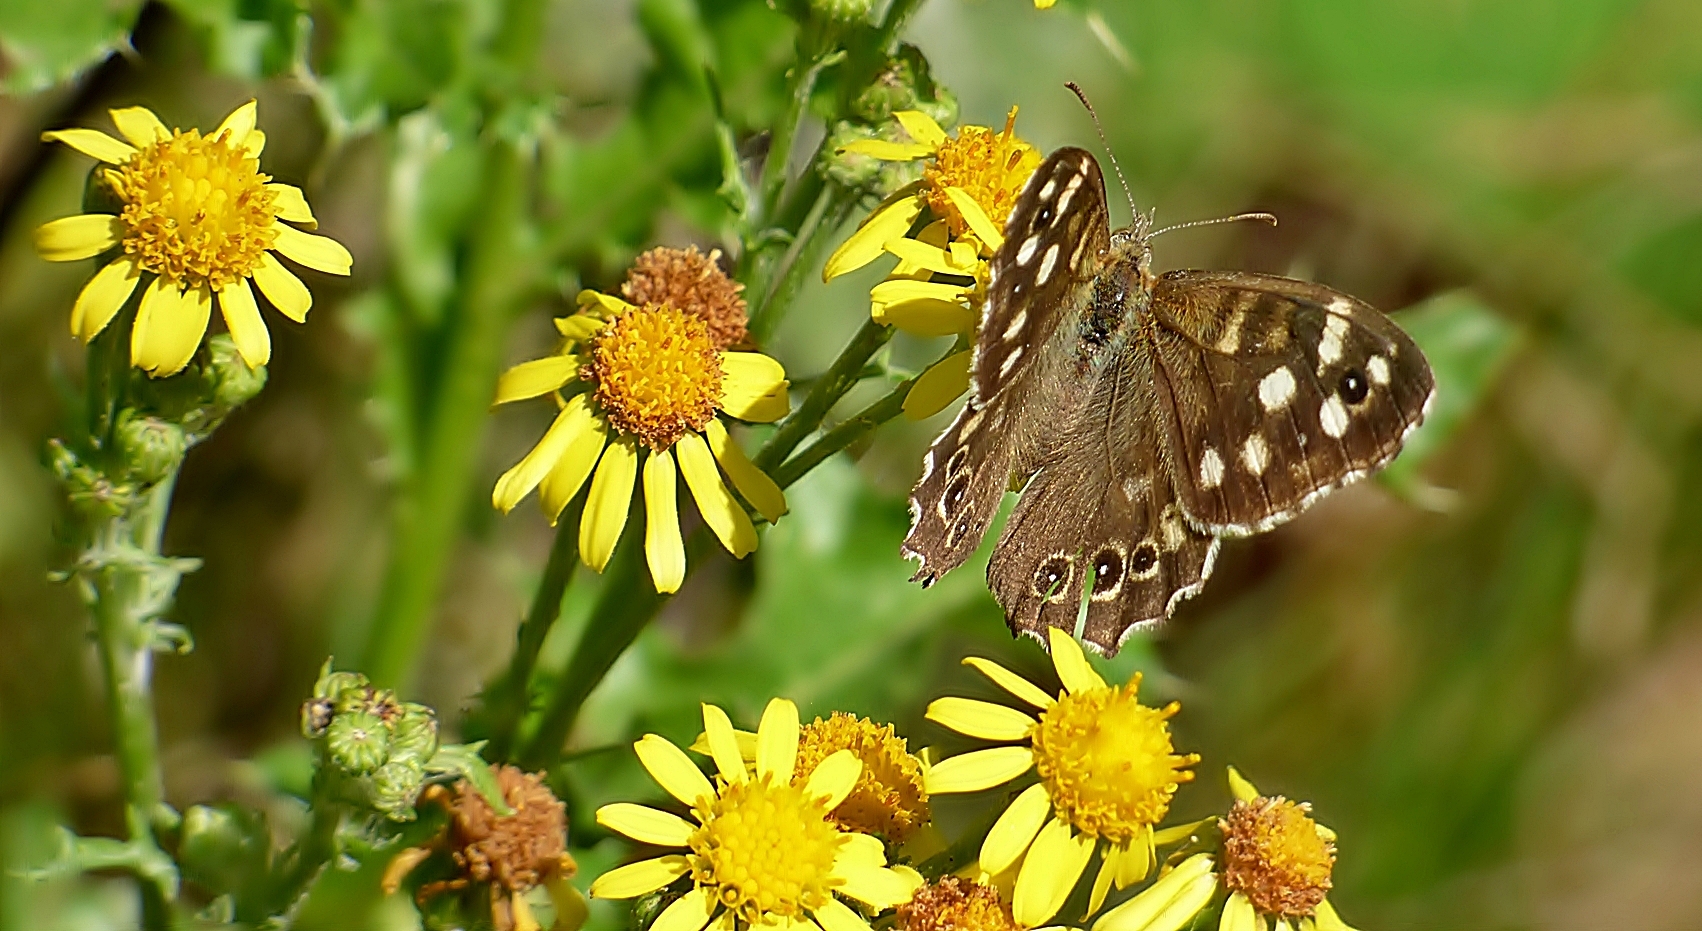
[[1330, 347], [1051, 185], [1068, 195], [1276, 389], [1255, 455], [1230, 341], [1332, 416], [1017, 322], [1046, 262], [1026, 250], [1340, 307], [1378, 368], [1211, 468]]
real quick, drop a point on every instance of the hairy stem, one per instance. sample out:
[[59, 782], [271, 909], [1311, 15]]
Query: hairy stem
[[844, 434], [839, 378], [509, 699]]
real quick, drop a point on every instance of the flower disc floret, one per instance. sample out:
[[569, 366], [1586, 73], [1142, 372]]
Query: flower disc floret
[[657, 374], [1107, 761], [765, 849], [1276, 856], [196, 209], [956, 904], [889, 799], [990, 167]]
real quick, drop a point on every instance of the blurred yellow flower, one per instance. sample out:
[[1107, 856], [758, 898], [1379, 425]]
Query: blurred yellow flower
[[969, 186], [645, 383], [1169, 904], [1107, 771], [203, 221], [763, 850]]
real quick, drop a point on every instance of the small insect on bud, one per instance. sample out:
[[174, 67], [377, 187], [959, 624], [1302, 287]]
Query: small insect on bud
[[316, 716]]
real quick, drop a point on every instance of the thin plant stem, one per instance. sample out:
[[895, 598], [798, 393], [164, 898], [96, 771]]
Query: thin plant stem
[[839, 378], [510, 698], [828, 210], [844, 434]]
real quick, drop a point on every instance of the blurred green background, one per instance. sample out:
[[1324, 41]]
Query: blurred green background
[[1485, 672]]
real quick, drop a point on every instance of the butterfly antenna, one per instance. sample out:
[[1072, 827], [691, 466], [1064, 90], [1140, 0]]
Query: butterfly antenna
[[1082, 96], [1261, 216]]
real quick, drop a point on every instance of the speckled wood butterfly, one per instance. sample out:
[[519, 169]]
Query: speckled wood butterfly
[[1146, 417]]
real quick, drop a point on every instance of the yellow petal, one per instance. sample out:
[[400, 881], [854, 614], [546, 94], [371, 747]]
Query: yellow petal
[[1187, 904], [672, 769], [291, 204], [723, 746], [751, 481], [878, 886], [859, 849], [645, 825], [321, 253], [519, 481], [242, 318], [753, 387], [1101, 883], [835, 915], [521, 910], [664, 550], [958, 259], [1326, 918], [887, 151], [977, 219], [1071, 663], [689, 912], [979, 769], [239, 124], [1134, 860], [93, 143], [1015, 829], [1243, 790], [924, 317], [104, 295], [282, 288], [139, 125], [606, 305], [921, 128], [777, 740], [1137, 913], [169, 327], [720, 510], [539, 376], [636, 879], [889, 221], [1054, 862], [980, 719], [608, 502], [894, 290], [572, 468], [255, 142], [71, 238], [746, 741], [1044, 4], [1010, 682], [835, 777], [944, 382], [936, 234], [1238, 914], [579, 327]]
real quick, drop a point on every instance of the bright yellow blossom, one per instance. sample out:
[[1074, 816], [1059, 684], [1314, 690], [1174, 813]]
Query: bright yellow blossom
[[199, 222], [763, 850], [1107, 770], [642, 391]]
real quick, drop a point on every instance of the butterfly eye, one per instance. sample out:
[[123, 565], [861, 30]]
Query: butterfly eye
[[1354, 387]]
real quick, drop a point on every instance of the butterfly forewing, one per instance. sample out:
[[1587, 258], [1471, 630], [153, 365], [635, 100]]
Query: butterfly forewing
[[1273, 392]]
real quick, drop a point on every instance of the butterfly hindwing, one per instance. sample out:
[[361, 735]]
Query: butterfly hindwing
[[1273, 392]]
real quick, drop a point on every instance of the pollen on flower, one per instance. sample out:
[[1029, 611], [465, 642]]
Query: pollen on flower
[[694, 283], [516, 852], [1275, 855], [765, 849], [1107, 761], [956, 904], [990, 167], [196, 209], [888, 799], [657, 373]]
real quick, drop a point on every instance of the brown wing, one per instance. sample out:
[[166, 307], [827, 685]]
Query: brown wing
[[1020, 373], [1101, 511], [1273, 392]]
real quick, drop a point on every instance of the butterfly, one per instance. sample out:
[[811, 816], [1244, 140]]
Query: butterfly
[[1145, 417]]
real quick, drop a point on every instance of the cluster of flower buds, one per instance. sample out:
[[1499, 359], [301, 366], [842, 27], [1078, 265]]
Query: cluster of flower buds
[[373, 750], [904, 84]]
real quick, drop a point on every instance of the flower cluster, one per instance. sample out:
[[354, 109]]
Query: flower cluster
[[968, 187], [643, 387], [199, 222]]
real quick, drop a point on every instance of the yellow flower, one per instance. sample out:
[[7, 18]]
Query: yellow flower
[[1107, 771], [199, 219], [938, 288], [763, 850], [1169, 904], [645, 383], [890, 799], [1277, 863], [956, 904]]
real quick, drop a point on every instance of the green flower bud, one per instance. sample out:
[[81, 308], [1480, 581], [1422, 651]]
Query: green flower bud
[[333, 684], [90, 492], [359, 742], [863, 172], [150, 448], [906, 83], [395, 786], [414, 735], [233, 382], [842, 11]]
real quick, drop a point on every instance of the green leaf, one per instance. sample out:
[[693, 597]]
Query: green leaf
[[46, 43], [463, 760]]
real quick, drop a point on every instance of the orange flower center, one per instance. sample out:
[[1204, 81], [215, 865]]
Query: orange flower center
[[1276, 856], [990, 167], [657, 372]]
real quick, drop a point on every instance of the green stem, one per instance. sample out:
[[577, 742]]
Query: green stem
[[309, 856], [499, 277], [840, 377], [510, 697], [780, 283], [844, 434]]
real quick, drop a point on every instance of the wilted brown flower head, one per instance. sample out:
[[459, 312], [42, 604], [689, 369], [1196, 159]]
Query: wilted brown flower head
[[955, 904], [1275, 855], [516, 852], [693, 282]]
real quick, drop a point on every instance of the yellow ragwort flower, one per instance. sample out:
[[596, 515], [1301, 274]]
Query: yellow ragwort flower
[[1169, 904], [202, 221], [1277, 863], [969, 186], [956, 904], [645, 383], [1107, 771], [763, 849], [889, 800]]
